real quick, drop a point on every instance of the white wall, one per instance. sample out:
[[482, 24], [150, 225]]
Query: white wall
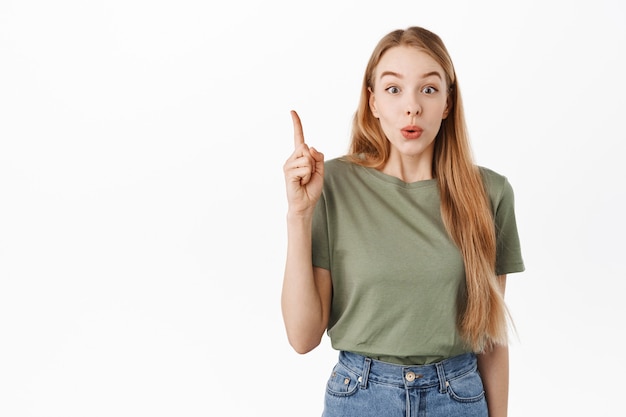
[[142, 232]]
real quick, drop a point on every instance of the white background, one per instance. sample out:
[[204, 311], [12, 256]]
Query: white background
[[142, 208]]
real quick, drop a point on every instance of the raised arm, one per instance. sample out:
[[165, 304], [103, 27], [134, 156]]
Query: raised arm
[[306, 292]]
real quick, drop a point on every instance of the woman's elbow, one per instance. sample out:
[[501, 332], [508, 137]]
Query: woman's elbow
[[303, 345]]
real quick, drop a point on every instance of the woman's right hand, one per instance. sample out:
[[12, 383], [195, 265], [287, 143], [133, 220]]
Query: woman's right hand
[[304, 173]]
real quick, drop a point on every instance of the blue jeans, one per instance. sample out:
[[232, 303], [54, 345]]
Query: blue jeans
[[363, 387]]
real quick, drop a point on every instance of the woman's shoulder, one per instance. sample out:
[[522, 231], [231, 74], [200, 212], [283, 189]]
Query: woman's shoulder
[[491, 175], [338, 166], [496, 184], [342, 174]]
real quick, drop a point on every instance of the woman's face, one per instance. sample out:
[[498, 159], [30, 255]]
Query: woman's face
[[410, 98]]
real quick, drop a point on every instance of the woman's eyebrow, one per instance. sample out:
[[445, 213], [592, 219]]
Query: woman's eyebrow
[[397, 75], [429, 74], [391, 74]]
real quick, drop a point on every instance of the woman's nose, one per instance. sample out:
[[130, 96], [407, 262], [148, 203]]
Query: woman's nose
[[413, 108]]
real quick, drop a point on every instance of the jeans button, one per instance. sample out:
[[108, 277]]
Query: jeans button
[[410, 376]]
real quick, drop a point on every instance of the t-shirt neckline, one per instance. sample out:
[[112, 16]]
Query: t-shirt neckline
[[390, 179]]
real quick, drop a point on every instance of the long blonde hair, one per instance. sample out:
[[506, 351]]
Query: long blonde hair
[[465, 206]]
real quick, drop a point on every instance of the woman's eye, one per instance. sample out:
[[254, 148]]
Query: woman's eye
[[393, 90], [429, 90]]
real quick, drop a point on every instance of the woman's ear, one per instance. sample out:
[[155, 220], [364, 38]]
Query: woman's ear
[[446, 111], [372, 102]]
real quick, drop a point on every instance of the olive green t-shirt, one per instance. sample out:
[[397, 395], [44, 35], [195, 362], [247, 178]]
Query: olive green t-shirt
[[395, 271]]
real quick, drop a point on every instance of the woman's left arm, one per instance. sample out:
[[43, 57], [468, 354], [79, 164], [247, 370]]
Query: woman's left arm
[[493, 366]]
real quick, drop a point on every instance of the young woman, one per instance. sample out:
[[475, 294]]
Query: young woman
[[400, 249]]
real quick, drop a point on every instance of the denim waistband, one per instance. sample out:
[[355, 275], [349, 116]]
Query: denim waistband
[[410, 376]]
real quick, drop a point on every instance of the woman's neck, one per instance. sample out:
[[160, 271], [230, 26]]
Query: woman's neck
[[409, 168]]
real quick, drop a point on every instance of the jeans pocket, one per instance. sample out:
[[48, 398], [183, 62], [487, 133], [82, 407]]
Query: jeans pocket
[[342, 382], [467, 388]]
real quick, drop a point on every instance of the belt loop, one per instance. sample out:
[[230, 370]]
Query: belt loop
[[443, 384], [366, 372]]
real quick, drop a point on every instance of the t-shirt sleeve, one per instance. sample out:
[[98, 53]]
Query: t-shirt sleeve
[[320, 235], [508, 256]]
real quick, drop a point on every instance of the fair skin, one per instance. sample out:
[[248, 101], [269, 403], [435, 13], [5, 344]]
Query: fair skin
[[409, 99], [307, 291], [493, 366]]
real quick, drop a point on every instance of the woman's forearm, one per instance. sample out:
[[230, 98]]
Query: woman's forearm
[[303, 300], [493, 366]]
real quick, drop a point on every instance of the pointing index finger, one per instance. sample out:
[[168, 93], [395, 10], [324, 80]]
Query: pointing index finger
[[298, 134]]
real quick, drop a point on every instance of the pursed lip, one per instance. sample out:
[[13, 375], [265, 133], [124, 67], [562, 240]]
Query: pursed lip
[[411, 131]]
